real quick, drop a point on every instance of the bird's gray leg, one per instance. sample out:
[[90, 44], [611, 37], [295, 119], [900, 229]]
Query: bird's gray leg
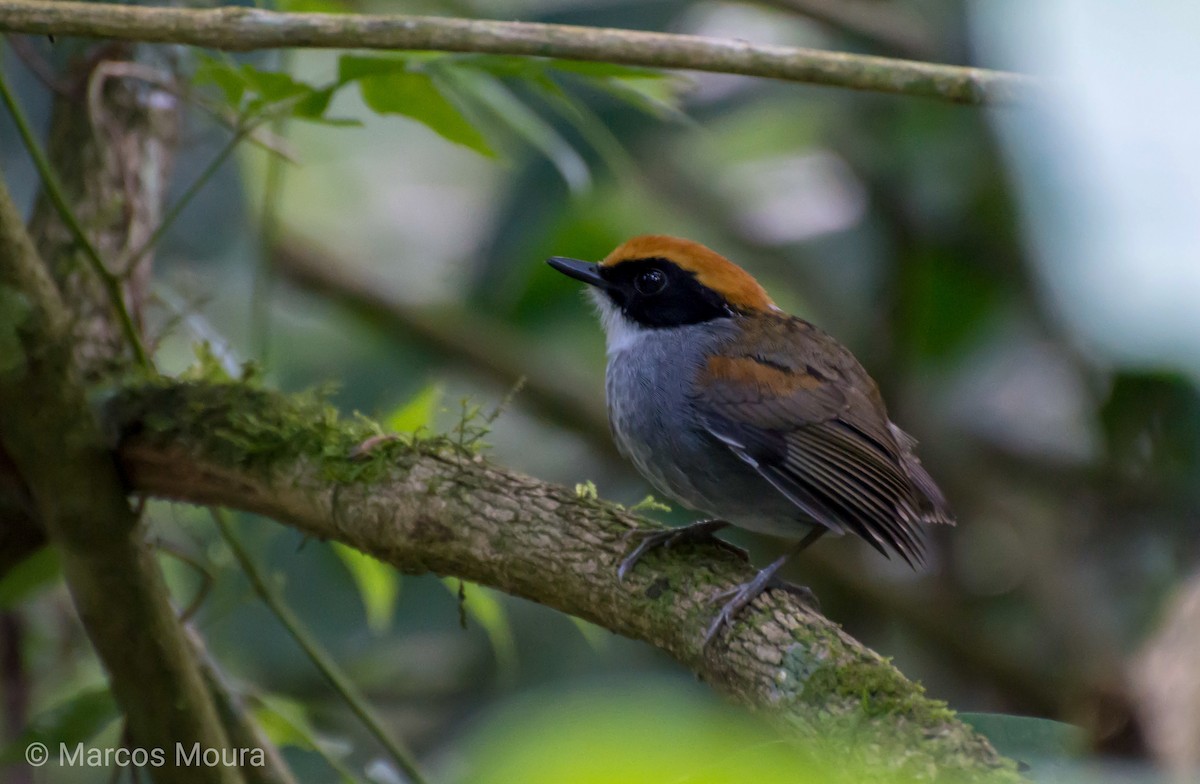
[[741, 595], [701, 531]]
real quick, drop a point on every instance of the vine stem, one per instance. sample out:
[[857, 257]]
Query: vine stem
[[54, 190], [312, 649], [240, 132]]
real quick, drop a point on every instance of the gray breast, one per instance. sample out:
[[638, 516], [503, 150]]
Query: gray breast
[[653, 418]]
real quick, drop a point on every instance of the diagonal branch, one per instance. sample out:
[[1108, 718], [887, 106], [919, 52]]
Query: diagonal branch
[[54, 441], [239, 28], [431, 506]]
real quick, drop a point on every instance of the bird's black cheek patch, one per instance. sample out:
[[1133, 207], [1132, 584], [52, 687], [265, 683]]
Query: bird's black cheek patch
[[672, 310], [683, 300], [619, 298]]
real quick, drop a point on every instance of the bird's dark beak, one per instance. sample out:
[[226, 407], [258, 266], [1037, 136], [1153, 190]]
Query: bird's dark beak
[[586, 271]]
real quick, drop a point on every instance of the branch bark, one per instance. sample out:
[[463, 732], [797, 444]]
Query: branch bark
[[433, 506], [112, 141], [239, 28]]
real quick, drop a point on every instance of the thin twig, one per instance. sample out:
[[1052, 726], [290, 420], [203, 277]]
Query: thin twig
[[206, 577], [316, 654], [183, 201], [130, 70], [54, 190], [245, 127], [243, 731], [239, 28], [264, 270], [37, 65]]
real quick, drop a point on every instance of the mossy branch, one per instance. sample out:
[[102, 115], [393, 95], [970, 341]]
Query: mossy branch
[[240, 28], [430, 506]]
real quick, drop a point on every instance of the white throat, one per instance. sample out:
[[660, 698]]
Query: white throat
[[621, 334]]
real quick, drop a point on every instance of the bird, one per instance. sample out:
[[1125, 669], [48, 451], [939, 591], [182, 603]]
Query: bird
[[740, 411]]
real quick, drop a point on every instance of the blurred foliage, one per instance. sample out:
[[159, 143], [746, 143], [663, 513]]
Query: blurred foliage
[[635, 733], [26, 579], [888, 221], [77, 719], [1151, 427]]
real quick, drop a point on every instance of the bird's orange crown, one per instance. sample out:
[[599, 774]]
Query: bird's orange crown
[[712, 269]]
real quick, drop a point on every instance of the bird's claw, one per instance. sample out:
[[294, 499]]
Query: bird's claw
[[739, 597], [696, 532], [801, 592]]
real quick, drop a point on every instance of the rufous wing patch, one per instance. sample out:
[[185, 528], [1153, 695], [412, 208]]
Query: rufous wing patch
[[738, 287], [749, 372]]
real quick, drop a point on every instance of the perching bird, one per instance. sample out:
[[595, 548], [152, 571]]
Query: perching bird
[[736, 409]]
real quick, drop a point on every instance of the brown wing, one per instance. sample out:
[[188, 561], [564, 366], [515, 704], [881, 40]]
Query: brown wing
[[803, 412]]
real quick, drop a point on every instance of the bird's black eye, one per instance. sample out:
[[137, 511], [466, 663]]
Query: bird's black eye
[[650, 282]]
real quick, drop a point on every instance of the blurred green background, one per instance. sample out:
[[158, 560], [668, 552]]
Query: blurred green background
[[407, 270]]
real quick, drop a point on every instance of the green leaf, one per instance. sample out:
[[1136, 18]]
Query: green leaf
[[643, 731], [507, 108], [389, 87], [598, 70], [1027, 738], [589, 126], [378, 585], [224, 76], [77, 719], [315, 104], [352, 67], [417, 413], [313, 6], [951, 301], [28, 577], [15, 310], [251, 91], [273, 86], [596, 637], [656, 97], [1151, 426], [485, 607], [284, 721]]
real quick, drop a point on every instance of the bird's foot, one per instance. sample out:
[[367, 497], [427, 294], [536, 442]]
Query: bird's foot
[[801, 592], [696, 532], [740, 596]]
